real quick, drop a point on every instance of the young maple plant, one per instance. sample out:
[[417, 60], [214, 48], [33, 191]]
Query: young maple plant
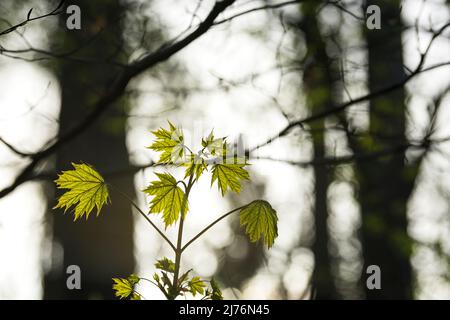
[[87, 190]]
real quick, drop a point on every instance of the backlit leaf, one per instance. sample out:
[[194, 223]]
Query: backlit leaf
[[260, 220], [216, 293], [196, 285], [168, 198], [166, 265], [196, 166], [214, 146], [169, 142], [124, 288], [229, 176]]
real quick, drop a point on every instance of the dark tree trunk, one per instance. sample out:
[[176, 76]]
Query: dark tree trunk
[[385, 185], [318, 85], [102, 246]]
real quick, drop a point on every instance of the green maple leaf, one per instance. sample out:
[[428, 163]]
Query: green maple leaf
[[168, 198], [135, 296], [196, 166], [208, 140], [229, 175], [87, 190], [124, 288], [228, 170], [216, 293], [196, 285], [165, 264], [214, 146], [170, 143], [260, 220]]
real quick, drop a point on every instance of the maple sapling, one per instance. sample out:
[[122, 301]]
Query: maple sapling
[[87, 190]]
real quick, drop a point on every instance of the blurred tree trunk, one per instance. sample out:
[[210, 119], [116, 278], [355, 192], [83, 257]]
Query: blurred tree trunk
[[385, 185], [102, 246], [318, 84]]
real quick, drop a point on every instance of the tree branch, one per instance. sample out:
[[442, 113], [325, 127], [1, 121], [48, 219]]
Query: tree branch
[[331, 111], [116, 89], [14, 149], [328, 112], [54, 12]]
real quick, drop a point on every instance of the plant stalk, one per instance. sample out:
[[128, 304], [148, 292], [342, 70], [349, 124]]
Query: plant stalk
[[178, 250]]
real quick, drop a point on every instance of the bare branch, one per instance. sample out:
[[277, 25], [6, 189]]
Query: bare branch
[[265, 7], [331, 111], [54, 12], [116, 89], [14, 149]]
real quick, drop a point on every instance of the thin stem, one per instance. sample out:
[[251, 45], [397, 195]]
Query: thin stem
[[184, 184], [140, 295], [146, 217], [160, 288], [151, 281], [155, 284], [210, 226]]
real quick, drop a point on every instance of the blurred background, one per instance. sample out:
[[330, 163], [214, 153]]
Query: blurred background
[[359, 170]]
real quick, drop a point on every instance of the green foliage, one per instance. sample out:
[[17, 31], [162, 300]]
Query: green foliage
[[214, 146], [260, 220], [87, 190], [229, 171], [229, 176], [163, 282], [196, 285], [165, 264], [124, 288], [215, 293], [168, 198], [170, 143], [195, 166]]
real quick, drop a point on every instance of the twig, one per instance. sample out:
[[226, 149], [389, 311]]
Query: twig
[[54, 12]]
